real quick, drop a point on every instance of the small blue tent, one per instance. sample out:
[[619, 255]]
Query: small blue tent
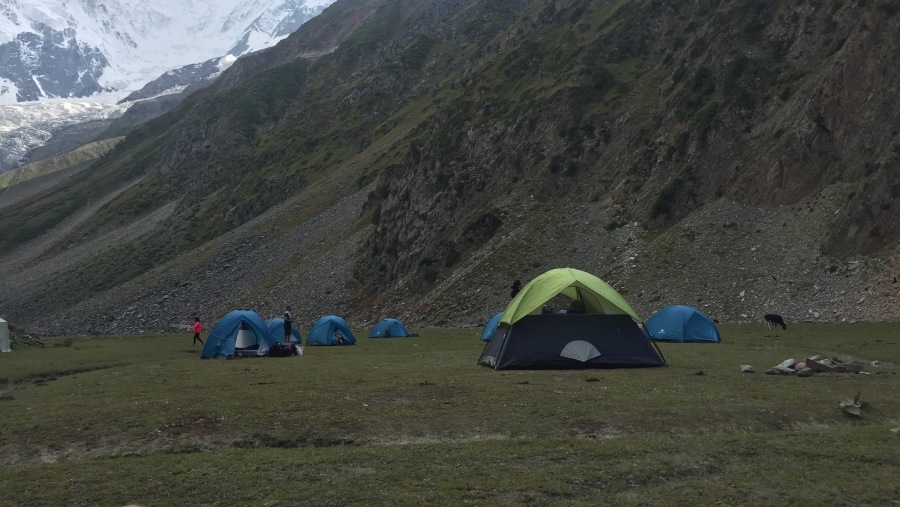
[[491, 327], [681, 324], [389, 328], [325, 330], [240, 329], [276, 329]]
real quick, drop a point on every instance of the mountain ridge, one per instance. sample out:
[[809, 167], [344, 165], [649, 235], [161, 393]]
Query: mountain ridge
[[719, 156]]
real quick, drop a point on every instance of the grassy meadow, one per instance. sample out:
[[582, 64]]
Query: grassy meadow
[[414, 421]]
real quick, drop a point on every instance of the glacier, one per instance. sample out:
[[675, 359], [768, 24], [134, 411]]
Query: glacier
[[27, 125]]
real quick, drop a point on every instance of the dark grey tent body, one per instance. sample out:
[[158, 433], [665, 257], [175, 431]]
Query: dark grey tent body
[[561, 341]]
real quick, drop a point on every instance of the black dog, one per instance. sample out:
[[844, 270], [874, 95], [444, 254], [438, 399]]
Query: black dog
[[776, 320]]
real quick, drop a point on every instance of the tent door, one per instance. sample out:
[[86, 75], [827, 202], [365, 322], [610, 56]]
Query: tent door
[[245, 338]]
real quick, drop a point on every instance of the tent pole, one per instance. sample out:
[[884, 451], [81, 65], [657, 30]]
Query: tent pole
[[486, 345]]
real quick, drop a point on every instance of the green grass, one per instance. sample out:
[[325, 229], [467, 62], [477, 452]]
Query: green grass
[[113, 420]]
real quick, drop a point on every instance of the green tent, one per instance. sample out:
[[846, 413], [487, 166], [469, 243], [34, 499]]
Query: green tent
[[597, 295], [598, 330]]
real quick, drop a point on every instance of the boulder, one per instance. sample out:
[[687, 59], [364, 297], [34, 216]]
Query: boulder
[[825, 365]]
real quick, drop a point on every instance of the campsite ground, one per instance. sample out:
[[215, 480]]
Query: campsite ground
[[413, 421]]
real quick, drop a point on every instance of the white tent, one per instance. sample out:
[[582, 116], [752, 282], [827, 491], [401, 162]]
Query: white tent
[[4, 336]]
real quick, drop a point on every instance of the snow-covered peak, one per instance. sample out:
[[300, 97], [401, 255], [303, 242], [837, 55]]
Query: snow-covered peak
[[129, 42]]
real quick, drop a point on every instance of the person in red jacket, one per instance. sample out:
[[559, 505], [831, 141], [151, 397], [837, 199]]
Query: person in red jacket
[[197, 328]]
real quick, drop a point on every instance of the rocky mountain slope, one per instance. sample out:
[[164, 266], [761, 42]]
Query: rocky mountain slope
[[410, 159]]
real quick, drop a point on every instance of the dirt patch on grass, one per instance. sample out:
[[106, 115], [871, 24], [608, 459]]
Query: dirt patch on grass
[[442, 389], [41, 378], [188, 441], [193, 425], [396, 401], [594, 429], [385, 442], [272, 441], [178, 439], [18, 455]]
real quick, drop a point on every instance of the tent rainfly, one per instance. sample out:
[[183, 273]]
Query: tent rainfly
[[236, 332], [491, 327], [389, 328], [276, 331], [681, 324], [330, 330]]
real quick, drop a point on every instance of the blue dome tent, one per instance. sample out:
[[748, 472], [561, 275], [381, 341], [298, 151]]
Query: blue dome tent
[[236, 331], [681, 324], [491, 327], [389, 328], [325, 332], [276, 330]]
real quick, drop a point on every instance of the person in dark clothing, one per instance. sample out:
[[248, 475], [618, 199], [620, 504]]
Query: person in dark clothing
[[516, 287], [288, 322], [197, 328], [576, 307]]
